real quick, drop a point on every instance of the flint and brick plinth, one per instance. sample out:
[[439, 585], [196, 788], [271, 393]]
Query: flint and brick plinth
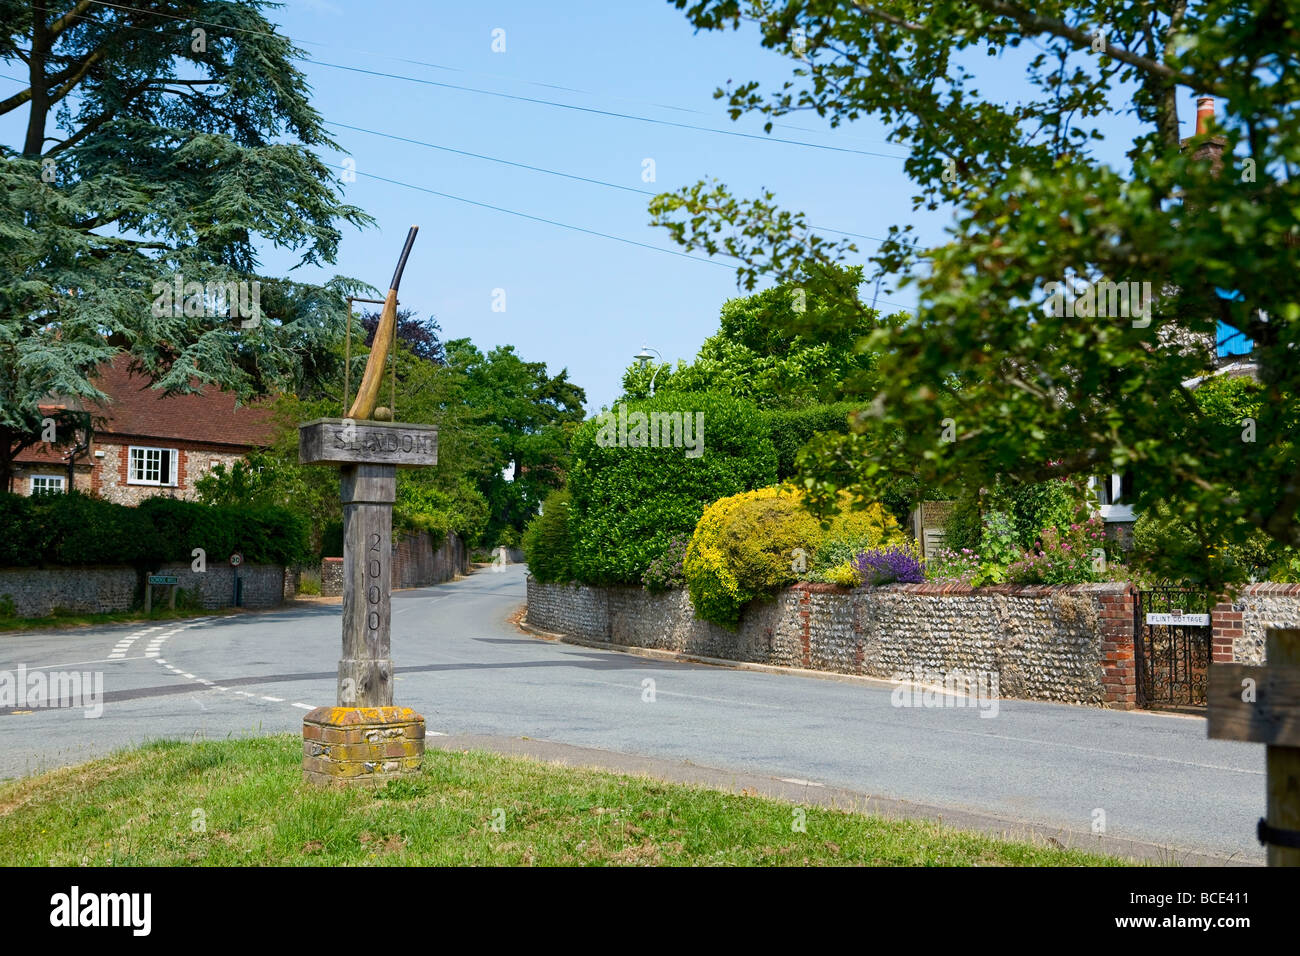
[[361, 746]]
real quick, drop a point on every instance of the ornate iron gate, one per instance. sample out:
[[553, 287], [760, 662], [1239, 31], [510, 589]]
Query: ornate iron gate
[[1172, 648]]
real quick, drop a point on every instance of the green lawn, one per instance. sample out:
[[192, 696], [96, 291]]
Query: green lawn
[[138, 807]]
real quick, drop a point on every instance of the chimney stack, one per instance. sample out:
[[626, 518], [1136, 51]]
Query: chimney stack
[[1203, 145], [1204, 114]]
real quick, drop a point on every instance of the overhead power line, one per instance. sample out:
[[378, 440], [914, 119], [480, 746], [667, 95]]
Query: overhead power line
[[541, 169], [594, 111], [452, 69], [555, 222]]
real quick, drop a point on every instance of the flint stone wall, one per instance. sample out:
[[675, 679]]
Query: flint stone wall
[[416, 563], [1063, 643], [36, 592], [1241, 626]]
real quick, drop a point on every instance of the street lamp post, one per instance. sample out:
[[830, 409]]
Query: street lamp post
[[644, 356]]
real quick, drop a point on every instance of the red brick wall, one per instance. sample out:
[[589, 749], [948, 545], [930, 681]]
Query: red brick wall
[[1118, 667], [1225, 626], [1238, 628]]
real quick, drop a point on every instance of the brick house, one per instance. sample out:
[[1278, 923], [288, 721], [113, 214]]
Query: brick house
[[145, 444]]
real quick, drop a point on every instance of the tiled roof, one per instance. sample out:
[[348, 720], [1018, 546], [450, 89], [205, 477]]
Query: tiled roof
[[135, 409]]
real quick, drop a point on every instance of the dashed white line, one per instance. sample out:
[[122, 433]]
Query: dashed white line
[[124, 645], [155, 649]]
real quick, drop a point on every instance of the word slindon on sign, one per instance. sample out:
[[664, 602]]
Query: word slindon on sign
[[163, 579], [346, 441], [422, 444], [1185, 620]]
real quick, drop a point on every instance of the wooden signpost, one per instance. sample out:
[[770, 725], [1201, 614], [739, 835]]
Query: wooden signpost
[[365, 739], [1262, 705]]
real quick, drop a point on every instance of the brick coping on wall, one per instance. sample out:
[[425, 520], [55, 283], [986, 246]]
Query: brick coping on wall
[[1023, 590]]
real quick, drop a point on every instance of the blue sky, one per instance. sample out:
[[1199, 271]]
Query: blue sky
[[573, 300]]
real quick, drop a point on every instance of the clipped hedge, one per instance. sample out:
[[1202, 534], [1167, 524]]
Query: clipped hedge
[[792, 428], [78, 529], [630, 502], [744, 547], [548, 547]]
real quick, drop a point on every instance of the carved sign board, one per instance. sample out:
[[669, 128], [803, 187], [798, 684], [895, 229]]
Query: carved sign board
[[346, 441]]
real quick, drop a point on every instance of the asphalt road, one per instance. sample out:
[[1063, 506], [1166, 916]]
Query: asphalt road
[[468, 670]]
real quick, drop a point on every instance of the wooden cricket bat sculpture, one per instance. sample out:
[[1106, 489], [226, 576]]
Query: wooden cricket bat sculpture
[[364, 740], [363, 407]]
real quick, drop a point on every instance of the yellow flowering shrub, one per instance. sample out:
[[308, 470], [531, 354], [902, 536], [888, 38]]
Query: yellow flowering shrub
[[749, 545]]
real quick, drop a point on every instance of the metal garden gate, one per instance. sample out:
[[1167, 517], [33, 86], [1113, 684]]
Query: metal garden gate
[[1172, 648]]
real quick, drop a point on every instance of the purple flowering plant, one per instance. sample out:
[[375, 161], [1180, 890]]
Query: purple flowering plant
[[665, 572], [897, 564]]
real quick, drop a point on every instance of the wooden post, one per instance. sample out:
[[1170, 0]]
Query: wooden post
[[148, 596], [171, 596], [1262, 704], [365, 740], [366, 669]]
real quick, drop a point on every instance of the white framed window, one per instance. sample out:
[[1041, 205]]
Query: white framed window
[[151, 466], [1114, 495], [48, 484]]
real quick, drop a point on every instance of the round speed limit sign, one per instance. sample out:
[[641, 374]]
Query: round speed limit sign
[[236, 559]]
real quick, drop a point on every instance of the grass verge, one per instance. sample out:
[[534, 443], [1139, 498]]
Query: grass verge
[[61, 620], [242, 803]]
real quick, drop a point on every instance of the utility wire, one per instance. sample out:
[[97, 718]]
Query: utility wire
[[524, 215], [554, 222], [451, 69], [541, 169], [610, 113]]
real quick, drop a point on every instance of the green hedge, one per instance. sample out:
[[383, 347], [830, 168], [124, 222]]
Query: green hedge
[[792, 428], [629, 503], [77, 529], [548, 546]]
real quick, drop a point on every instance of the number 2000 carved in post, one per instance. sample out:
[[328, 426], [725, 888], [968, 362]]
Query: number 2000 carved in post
[[374, 567]]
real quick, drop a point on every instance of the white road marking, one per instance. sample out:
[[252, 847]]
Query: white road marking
[[434, 733], [802, 783], [274, 700], [672, 693], [304, 706], [124, 644], [102, 660]]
